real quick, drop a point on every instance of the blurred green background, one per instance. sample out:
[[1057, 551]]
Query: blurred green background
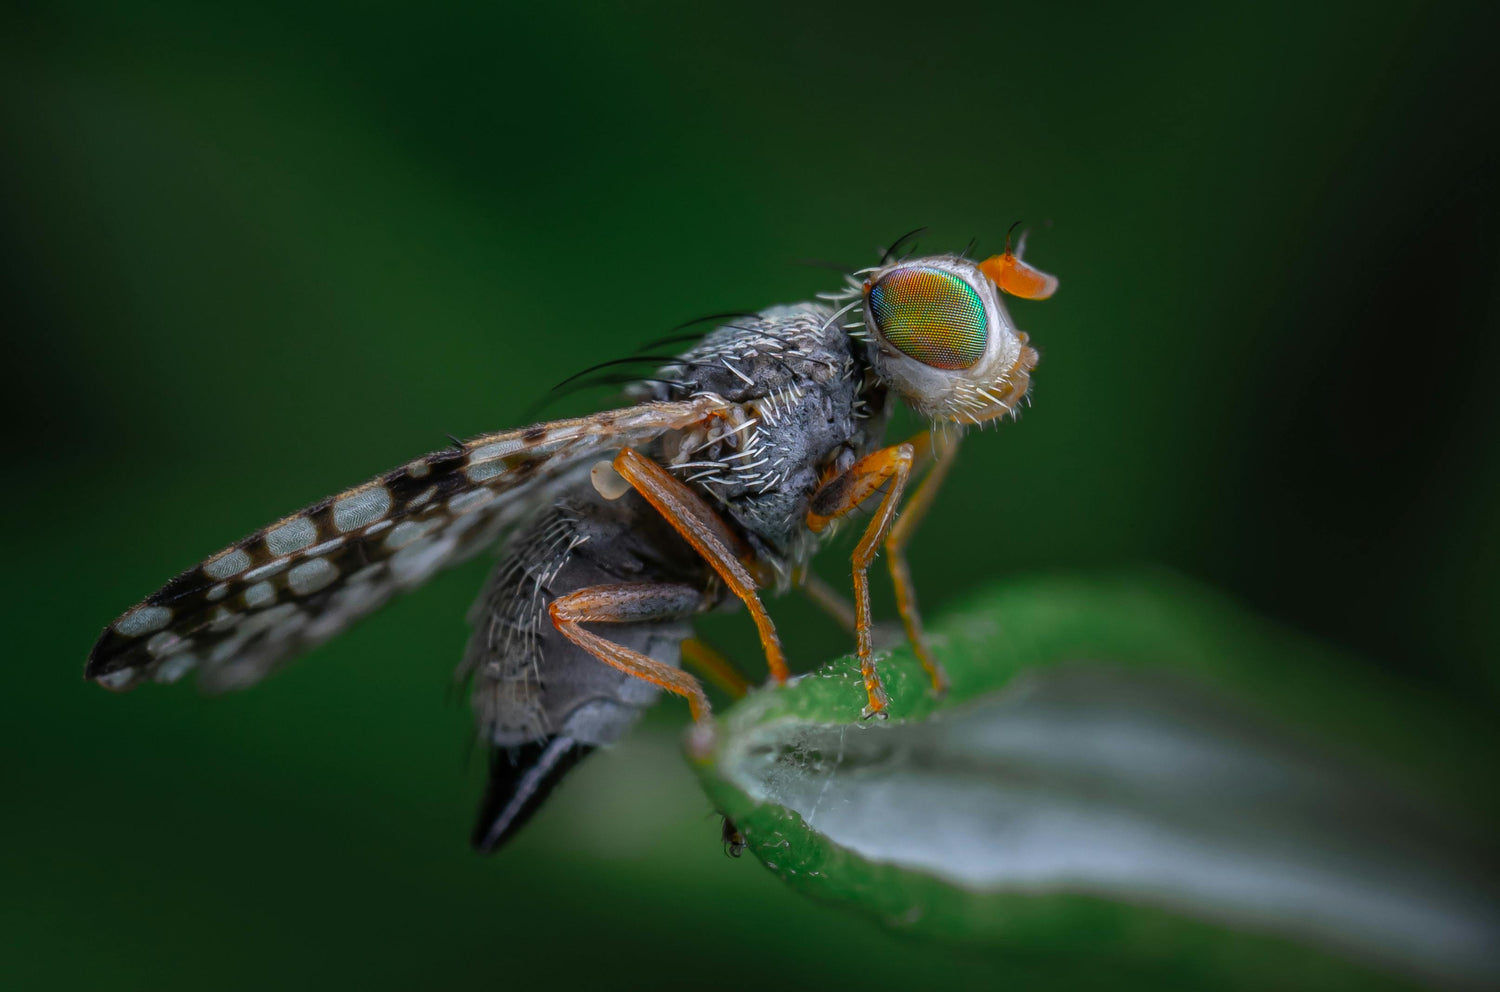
[[253, 255]]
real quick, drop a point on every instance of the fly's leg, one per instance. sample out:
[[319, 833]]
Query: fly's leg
[[632, 602], [838, 606], [714, 666], [696, 521], [895, 546], [829, 599], [842, 495]]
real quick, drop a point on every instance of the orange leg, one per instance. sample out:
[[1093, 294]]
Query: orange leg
[[842, 495], [714, 665], [632, 603], [895, 546], [830, 600], [696, 521]]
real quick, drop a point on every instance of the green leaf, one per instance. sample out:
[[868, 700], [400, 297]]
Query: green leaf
[[1129, 766]]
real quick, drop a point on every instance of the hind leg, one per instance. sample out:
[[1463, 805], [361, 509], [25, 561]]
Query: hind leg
[[633, 602], [713, 665]]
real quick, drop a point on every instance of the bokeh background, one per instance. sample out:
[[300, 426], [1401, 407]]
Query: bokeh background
[[255, 254]]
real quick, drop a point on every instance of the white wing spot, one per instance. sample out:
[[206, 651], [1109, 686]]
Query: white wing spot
[[282, 614], [325, 547], [496, 450], [259, 594], [360, 508], [423, 497], [418, 469], [368, 573], [294, 535], [143, 621], [225, 650], [218, 592], [415, 562], [464, 523], [347, 603], [231, 562], [376, 528], [471, 500], [267, 570], [310, 576], [163, 643], [223, 619], [123, 679], [408, 531], [484, 470], [175, 667]]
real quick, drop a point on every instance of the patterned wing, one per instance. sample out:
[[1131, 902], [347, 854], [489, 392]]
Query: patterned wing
[[305, 578]]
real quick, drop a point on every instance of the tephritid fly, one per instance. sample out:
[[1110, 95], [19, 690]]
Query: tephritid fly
[[717, 483]]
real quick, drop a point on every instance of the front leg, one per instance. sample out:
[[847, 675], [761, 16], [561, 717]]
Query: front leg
[[842, 495]]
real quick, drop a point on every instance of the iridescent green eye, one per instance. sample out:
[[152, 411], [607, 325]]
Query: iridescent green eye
[[931, 315]]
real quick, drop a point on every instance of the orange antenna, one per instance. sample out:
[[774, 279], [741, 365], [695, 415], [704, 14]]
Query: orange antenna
[[1016, 277]]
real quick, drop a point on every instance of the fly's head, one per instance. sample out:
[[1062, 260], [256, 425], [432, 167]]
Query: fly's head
[[943, 338]]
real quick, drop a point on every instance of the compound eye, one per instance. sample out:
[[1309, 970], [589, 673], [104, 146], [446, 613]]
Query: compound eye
[[931, 315]]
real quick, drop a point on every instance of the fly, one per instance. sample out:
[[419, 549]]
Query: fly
[[617, 528]]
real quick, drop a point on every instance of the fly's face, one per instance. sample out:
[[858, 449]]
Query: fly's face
[[944, 340]]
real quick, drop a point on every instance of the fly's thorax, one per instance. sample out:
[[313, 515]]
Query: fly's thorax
[[759, 462], [800, 391], [943, 340]]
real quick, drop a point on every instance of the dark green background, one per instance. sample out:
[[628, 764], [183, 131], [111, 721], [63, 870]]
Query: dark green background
[[255, 255]]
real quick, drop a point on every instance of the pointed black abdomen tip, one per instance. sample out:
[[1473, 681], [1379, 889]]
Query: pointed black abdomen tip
[[521, 779]]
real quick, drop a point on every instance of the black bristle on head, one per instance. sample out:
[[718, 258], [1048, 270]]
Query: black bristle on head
[[900, 243]]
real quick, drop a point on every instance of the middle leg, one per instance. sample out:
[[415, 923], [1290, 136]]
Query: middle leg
[[827, 599], [895, 547]]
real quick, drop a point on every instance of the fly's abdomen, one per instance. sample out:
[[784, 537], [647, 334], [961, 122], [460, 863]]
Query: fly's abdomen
[[542, 702]]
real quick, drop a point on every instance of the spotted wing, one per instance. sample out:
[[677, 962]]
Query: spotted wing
[[305, 578]]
